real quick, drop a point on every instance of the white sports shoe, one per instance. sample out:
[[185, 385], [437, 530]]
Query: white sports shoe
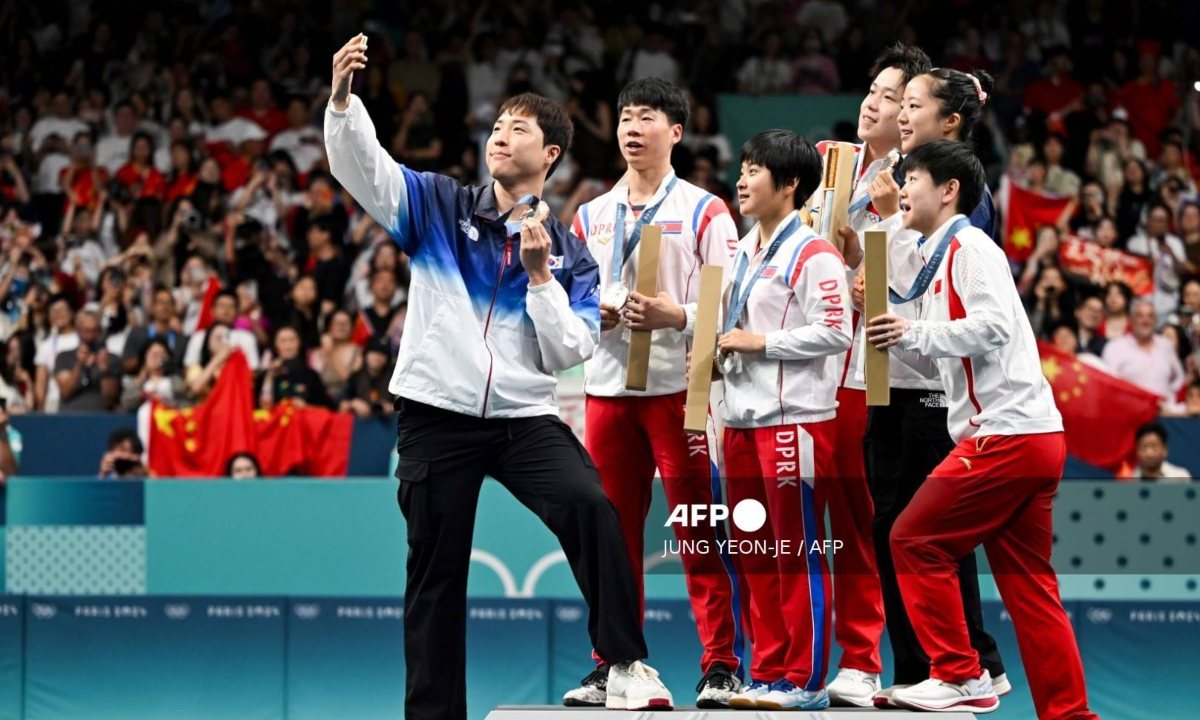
[[883, 698], [785, 695], [932, 695], [1001, 684], [853, 688], [716, 687], [747, 699], [592, 690], [635, 686]]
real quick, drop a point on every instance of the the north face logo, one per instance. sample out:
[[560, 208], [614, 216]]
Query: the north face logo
[[469, 230]]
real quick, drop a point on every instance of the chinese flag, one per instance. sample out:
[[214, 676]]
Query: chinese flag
[[1026, 211], [198, 441], [309, 441], [1086, 397]]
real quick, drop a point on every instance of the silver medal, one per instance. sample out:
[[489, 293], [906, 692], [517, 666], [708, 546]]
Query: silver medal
[[615, 296], [729, 363]]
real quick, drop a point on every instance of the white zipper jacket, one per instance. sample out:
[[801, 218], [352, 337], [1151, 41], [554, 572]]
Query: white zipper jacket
[[972, 327], [802, 305], [697, 230], [477, 338]]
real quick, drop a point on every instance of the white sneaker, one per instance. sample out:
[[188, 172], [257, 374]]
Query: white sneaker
[[747, 699], [1001, 684], [883, 698], [592, 690], [932, 695], [785, 695], [853, 688], [716, 687], [635, 686]]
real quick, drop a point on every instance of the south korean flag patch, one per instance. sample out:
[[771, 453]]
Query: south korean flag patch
[[555, 262]]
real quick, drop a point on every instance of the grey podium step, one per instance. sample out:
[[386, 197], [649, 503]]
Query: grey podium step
[[553, 712]]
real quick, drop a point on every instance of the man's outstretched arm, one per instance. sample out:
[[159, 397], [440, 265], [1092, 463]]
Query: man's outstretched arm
[[356, 158]]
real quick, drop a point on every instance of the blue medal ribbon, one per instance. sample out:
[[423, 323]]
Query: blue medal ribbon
[[621, 252], [738, 298], [926, 275]]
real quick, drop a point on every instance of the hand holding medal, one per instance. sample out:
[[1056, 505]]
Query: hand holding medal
[[535, 243]]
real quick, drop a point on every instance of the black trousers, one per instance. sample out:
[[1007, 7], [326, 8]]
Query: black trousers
[[905, 441], [444, 457]]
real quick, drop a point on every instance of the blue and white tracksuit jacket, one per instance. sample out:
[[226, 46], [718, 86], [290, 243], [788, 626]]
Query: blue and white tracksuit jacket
[[477, 338]]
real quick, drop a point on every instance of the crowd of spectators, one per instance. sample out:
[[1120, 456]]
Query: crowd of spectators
[[165, 198]]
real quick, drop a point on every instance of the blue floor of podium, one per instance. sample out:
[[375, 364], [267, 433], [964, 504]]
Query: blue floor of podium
[[553, 712]]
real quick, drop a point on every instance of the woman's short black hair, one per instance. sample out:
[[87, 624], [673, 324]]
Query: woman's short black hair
[[789, 157], [662, 95], [947, 160]]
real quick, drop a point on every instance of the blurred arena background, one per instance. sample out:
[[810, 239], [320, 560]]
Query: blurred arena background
[[165, 199]]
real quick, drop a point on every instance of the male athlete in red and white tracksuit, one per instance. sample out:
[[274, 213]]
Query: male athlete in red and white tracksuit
[[629, 433], [857, 597], [995, 488], [780, 439]]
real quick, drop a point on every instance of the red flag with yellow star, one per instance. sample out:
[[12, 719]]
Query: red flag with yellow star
[[198, 441], [1100, 412], [309, 441], [1024, 212], [287, 439]]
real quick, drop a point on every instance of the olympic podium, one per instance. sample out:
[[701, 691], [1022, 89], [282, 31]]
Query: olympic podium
[[551, 712]]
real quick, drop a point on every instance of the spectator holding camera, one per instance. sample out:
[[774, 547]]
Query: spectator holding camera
[[1168, 255], [367, 391], [338, 358], [215, 352], [1052, 302], [288, 376], [123, 461], [113, 304], [88, 378], [154, 378]]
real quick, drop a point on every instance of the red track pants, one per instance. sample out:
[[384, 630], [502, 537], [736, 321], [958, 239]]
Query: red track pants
[[996, 491]]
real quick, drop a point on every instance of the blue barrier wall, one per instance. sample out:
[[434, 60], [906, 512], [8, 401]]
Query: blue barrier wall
[[196, 658], [62, 445], [281, 599]]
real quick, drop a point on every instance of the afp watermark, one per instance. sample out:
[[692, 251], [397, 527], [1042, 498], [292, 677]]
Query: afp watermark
[[748, 516]]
